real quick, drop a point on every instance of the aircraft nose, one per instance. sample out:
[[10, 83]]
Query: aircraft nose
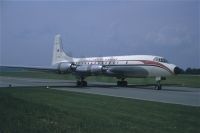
[[177, 70]]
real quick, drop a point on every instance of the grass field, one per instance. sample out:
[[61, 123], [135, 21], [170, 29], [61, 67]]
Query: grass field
[[179, 80], [36, 109]]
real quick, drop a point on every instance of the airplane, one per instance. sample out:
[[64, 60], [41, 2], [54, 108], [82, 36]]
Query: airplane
[[121, 67]]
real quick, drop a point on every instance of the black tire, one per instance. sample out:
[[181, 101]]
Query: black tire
[[125, 83], [122, 83], [84, 83], [78, 83], [119, 83], [158, 87]]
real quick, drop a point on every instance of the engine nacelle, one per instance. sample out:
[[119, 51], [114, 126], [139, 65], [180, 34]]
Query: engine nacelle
[[96, 69], [65, 67], [89, 69]]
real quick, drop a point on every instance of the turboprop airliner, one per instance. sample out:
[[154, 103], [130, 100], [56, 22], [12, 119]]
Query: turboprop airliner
[[121, 67]]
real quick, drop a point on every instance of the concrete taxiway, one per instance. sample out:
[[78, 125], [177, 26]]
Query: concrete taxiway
[[176, 95]]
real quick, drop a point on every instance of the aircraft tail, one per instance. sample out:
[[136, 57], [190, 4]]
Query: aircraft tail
[[58, 53]]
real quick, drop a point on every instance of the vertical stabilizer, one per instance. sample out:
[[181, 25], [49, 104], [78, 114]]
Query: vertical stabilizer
[[58, 54]]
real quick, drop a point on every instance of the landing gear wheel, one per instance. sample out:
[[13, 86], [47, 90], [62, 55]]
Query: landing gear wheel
[[78, 83], [118, 83], [81, 83], [158, 87], [125, 83], [84, 83], [122, 83]]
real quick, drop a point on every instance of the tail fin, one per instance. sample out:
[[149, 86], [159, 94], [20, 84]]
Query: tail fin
[[58, 54]]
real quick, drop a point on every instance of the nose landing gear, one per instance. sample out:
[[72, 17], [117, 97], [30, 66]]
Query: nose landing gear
[[158, 85]]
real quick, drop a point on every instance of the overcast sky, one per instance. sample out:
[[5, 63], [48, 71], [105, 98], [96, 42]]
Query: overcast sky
[[100, 28]]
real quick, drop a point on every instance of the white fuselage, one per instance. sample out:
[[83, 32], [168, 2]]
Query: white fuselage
[[151, 66]]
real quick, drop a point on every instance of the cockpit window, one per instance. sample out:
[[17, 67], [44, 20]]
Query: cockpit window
[[164, 60], [160, 60]]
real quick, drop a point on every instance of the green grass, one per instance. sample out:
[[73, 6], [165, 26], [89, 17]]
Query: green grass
[[179, 80], [36, 109]]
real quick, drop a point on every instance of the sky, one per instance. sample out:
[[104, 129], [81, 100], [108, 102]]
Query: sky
[[99, 28]]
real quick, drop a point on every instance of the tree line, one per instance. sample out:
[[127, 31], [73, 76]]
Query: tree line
[[194, 71]]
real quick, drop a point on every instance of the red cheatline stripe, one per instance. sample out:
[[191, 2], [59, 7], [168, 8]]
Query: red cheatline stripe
[[147, 62]]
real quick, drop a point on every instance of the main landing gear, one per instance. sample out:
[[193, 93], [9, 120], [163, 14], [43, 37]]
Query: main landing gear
[[81, 83], [122, 83]]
